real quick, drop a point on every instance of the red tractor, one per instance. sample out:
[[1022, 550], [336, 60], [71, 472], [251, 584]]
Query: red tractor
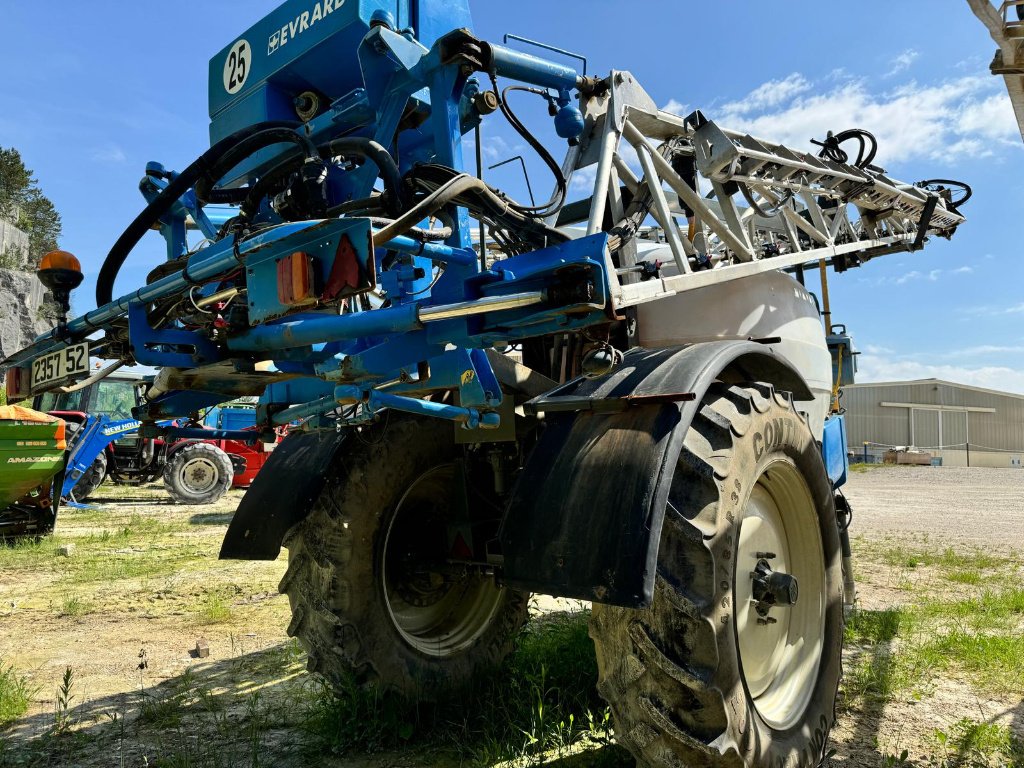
[[194, 471]]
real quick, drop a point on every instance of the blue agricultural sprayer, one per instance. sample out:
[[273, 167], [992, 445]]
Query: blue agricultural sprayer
[[624, 398]]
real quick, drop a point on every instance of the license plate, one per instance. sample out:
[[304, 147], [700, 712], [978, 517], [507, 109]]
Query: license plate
[[60, 366]]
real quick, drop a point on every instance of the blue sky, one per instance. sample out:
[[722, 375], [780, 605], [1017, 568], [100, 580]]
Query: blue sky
[[91, 91]]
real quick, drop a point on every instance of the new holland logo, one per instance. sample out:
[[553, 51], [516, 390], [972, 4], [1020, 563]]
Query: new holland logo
[[122, 428], [304, 21]]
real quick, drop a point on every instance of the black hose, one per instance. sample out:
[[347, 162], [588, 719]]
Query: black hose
[[203, 165], [831, 150], [950, 186], [246, 147], [558, 198], [349, 145], [380, 157]]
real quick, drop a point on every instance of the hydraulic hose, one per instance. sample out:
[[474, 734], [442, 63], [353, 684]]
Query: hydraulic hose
[[349, 145], [379, 156], [558, 197], [205, 165], [243, 149]]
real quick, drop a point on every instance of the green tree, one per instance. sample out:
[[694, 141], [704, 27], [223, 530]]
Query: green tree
[[23, 204]]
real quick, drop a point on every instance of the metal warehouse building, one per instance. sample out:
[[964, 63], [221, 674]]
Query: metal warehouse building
[[957, 424]]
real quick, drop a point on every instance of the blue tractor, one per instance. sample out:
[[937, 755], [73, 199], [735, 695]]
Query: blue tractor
[[104, 444], [623, 398]]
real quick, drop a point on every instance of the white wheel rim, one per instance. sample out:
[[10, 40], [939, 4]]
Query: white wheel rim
[[199, 475], [780, 661], [453, 622]]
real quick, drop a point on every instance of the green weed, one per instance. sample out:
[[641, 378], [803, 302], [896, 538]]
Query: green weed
[[15, 694], [873, 627], [979, 744], [62, 720], [72, 606], [214, 609], [542, 698]]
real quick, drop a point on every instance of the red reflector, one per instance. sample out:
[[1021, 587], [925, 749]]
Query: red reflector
[[295, 280], [344, 279], [17, 384]]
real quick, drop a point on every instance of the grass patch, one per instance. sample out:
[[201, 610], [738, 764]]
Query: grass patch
[[902, 556], [72, 606], [214, 609], [990, 610], [542, 698], [993, 661], [28, 553], [15, 694], [107, 566], [970, 743], [873, 627], [970, 576]]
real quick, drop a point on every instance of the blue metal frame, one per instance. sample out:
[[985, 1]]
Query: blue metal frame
[[98, 431], [392, 356]]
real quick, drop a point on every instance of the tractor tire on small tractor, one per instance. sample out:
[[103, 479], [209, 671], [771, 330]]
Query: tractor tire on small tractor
[[373, 595], [91, 479], [198, 473], [737, 660]]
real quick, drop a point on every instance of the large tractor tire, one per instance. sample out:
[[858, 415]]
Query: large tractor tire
[[198, 473], [91, 479], [734, 663], [373, 593]]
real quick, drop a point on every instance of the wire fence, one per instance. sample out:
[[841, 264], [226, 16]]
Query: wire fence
[[874, 453]]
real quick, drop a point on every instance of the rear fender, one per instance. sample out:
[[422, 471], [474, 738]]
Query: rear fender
[[281, 495], [584, 520]]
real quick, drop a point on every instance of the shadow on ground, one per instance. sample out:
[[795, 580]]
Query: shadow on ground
[[211, 518], [237, 712], [256, 709]]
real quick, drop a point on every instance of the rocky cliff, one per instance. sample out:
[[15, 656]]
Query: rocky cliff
[[21, 296]]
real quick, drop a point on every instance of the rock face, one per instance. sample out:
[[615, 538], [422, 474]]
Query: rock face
[[21, 295]]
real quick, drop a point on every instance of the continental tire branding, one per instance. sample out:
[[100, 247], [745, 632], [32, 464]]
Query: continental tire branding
[[775, 434], [683, 701]]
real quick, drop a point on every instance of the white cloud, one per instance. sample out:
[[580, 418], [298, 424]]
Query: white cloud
[[964, 117], [111, 153], [913, 275], [676, 107], [877, 367], [770, 94], [583, 179], [496, 149], [902, 61], [874, 349]]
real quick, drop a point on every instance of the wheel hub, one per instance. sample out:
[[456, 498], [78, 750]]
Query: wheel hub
[[199, 475], [780, 594], [439, 607], [771, 588]]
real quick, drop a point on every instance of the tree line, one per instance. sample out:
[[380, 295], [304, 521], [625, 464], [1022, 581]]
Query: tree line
[[23, 204]]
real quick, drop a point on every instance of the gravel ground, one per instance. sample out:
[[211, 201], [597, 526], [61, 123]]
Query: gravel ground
[[967, 505]]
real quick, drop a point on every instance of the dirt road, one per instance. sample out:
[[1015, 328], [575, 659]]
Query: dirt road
[[957, 504]]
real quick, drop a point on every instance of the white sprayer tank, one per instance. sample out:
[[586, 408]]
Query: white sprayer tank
[[771, 304]]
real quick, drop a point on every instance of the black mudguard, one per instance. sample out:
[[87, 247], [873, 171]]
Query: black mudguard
[[585, 517], [281, 495]]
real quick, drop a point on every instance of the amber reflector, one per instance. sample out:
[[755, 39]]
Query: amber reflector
[[295, 284], [60, 260]]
